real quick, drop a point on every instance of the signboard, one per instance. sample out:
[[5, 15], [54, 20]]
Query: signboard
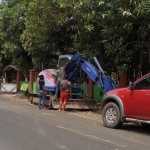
[[8, 87], [24, 87]]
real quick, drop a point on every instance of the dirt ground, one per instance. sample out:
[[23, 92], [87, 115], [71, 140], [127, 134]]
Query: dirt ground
[[94, 114]]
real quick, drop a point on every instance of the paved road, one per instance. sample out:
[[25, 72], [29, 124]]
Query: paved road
[[24, 127]]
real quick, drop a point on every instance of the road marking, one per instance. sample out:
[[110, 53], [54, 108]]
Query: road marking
[[58, 144], [91, 136], [61, 146], [80, 115], [48, 114]]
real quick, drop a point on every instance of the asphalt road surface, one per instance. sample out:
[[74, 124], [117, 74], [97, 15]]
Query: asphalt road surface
[[24, 127]]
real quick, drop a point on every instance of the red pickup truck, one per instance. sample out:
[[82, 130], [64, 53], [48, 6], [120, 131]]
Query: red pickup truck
[[130, 104]]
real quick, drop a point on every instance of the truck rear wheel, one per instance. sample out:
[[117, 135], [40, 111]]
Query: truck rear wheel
[[111, 116]]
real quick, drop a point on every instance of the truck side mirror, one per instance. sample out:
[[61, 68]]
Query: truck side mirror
[[131, 85]]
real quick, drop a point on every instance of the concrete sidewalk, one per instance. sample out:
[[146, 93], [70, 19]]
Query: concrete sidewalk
[[10, 97], [4, 96]]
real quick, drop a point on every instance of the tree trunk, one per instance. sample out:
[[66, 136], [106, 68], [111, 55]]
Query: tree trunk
[[141, 63], [123, 80], [149, 53], [88, 50]]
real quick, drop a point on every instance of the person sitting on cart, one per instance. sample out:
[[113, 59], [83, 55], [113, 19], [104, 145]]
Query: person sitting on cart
[[60, 74]]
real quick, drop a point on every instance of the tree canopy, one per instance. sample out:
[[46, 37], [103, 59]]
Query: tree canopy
[[116, 32]]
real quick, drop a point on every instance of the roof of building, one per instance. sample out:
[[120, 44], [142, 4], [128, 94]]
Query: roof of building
[[10, 67]]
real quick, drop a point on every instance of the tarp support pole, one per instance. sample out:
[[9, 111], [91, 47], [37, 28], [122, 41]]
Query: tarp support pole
[[32, 79], [19, 78], [90, 87]]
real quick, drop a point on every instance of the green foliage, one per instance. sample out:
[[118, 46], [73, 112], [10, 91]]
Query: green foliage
[[117, 31], [12, 24], [126, 30]]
